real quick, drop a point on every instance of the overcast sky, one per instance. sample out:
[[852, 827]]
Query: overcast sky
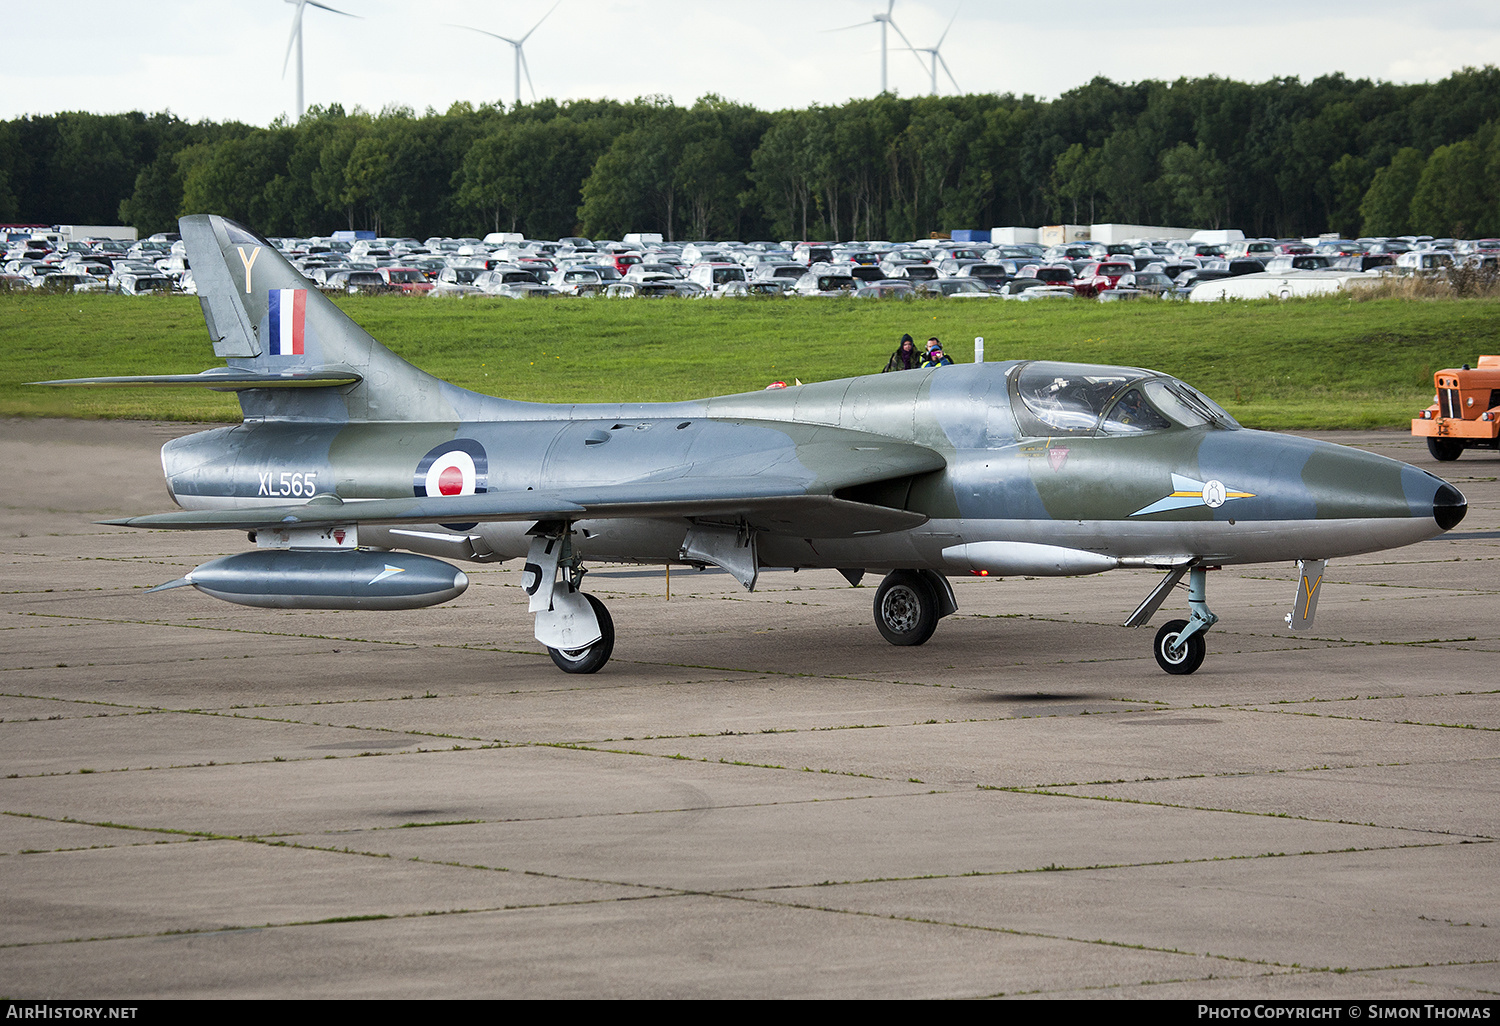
[[222, 59]]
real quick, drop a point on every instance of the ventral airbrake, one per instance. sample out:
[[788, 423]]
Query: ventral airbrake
[[361, 480]]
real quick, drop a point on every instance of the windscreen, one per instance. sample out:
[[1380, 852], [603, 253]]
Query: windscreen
[[1131, 415], [1186, 405]]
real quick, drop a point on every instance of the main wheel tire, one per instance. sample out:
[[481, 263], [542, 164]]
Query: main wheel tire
[[592, 658], [906, 609], [1444, 450], [1181, 660]]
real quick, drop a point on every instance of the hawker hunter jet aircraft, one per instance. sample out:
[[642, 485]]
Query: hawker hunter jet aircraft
[[353, 469]]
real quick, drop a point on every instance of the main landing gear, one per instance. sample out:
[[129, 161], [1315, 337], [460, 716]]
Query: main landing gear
[[909, 604], [576, 628], [590, 658], [1179, 646]]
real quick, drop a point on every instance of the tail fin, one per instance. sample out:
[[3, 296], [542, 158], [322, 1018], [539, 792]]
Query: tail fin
[[265, 318]]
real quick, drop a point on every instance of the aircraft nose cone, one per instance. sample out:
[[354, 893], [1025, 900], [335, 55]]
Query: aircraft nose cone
[[1449, 507]]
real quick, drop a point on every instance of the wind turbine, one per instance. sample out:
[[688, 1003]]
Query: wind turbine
[[296, 40], [882, 20], [936, 57], [520, 54]]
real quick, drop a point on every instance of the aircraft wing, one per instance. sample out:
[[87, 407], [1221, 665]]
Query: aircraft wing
[[794, 489], [779, 504], [782, 506]]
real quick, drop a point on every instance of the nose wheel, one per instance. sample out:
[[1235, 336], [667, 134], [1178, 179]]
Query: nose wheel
[[1178, 656]]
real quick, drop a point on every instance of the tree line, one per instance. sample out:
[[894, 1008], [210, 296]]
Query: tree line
[[1278, 158]]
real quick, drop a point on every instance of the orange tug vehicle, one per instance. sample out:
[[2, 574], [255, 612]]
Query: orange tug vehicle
[[1465, 413]]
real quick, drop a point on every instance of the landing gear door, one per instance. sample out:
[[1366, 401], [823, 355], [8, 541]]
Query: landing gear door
[[540, 575], [1308, 587], [570, 624]]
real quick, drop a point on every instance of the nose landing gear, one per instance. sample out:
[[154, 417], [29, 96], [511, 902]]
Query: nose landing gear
[[1179, 646]]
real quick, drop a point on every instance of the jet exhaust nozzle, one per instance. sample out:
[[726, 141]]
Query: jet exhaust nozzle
[[353, 579]]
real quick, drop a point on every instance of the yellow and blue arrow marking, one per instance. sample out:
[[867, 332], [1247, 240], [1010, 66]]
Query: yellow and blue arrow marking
[[1187, 493]]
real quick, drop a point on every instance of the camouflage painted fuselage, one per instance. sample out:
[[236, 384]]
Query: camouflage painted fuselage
[[1211, 493]]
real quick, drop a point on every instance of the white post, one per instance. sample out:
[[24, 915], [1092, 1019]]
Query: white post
[[978, 348]]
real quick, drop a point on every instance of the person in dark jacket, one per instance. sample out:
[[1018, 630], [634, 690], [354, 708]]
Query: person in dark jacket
[[906, 356]]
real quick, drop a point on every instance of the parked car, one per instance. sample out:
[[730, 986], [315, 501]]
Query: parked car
[[522, 290], [1187, 280], [405, 279], [1016, 286], [955, 288], [653, 271], [1051, 274], [149, 283], [762, 288], [917, 272], [714, 276], [993, 275], [1299, 262], [579, 281], [1044, 292], [355, 281], [1152, 283], [1097, 276], [888, 288], [1365, 262], [513, 283], [1427, 260], [48, 278], [830, 283], [809, 253], [456, 281]]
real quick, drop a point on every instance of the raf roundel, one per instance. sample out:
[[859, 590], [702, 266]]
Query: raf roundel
[[459, 467]]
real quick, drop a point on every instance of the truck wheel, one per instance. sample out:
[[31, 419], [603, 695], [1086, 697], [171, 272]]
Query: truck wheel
[[1443, 450]]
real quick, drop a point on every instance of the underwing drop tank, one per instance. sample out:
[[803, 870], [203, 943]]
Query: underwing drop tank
[[348, 579]]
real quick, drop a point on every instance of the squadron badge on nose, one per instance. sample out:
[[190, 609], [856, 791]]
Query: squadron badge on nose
[[1187, 493]]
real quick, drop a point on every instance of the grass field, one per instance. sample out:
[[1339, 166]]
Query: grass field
[[1314, 363]]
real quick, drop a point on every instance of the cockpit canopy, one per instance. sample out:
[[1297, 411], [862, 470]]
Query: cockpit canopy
[[1083, 399]]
